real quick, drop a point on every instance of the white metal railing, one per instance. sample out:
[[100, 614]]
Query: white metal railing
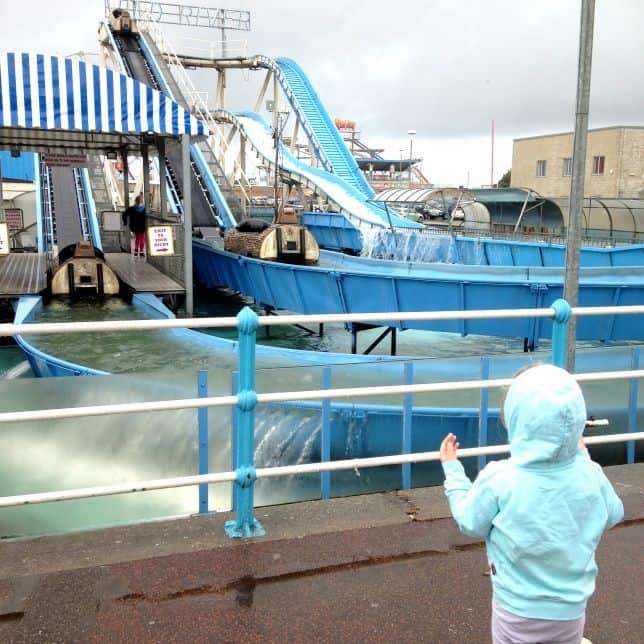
[[202, 48], [289, 396], [247, 398], [218, 140], [272, 320], [272, 472]]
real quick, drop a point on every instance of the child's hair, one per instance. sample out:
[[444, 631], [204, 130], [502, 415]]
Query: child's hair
[[506, 389]]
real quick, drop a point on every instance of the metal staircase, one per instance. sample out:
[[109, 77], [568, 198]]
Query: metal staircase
[[213, 152], [48, 207], [104, 201], [83, 205]]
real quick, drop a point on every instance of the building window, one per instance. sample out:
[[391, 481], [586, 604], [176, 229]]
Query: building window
[[567, 167], [541, 168], [598, 165]]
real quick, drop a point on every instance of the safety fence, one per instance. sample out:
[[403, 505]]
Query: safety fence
[[246, 399]]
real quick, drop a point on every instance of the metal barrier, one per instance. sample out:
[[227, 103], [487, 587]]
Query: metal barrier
[[246, 400]]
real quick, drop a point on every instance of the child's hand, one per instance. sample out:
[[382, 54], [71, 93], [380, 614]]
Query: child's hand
[[448, 448], [582, 444]]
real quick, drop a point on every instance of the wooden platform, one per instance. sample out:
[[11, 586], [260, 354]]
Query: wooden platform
[[141, 276], [22, 274]]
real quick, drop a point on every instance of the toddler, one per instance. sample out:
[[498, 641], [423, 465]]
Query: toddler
[[542, 511]]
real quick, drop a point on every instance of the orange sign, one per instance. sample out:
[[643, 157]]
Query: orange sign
[[343, 124]]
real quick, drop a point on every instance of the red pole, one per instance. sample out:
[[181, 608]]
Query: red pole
[[492, 161]]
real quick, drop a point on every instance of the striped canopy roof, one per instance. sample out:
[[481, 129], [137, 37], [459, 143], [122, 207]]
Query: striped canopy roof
[[54, 93]]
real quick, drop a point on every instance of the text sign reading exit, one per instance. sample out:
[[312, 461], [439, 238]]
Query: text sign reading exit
[[4, 239], [160, 240]]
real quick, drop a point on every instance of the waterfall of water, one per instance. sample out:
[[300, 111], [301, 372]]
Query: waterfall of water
[[409, 246]]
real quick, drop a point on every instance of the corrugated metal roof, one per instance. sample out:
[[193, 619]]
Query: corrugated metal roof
[[503, 195], [420, 195]]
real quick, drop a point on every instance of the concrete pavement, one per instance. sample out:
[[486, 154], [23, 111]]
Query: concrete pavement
[[386, 567]]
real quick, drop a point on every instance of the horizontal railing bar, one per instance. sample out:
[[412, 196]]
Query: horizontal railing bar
[[419, 457], [607, 310], [120, 408], [276, 320], [272, 472], [286, 396], [316, 394], [42, 328], [116, 488], [481, 314]]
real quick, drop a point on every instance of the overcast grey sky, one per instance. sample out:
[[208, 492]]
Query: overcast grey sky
[[444, 68]]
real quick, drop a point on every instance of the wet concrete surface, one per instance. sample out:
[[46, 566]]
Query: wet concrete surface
[[381, 568]]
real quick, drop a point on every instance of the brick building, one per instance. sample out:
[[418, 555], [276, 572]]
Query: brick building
[[614, 163]]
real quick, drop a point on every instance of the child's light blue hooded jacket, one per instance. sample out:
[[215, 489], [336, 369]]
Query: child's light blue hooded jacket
[[543, 510]]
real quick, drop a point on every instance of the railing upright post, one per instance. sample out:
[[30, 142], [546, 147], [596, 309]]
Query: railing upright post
[[560, 332], [632, 406], [245, 525], [407, 425], [202, 386], [234, 387], [483, 411], [325, 438]]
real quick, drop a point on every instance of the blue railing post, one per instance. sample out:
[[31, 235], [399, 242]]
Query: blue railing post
[[560, 332], [483, 415], [234, 387], [245, 525], [202, 387], [325, 438], [407, 423], [632, 406]]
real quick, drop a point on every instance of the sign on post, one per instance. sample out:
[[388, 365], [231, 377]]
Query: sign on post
[[4, 239], [160, 241], [53, 159], [13, 217]]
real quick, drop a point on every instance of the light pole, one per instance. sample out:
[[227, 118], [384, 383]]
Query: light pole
[[411, 134], [400, 166]]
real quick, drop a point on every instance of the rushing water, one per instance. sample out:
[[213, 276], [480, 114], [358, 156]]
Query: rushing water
[[163, 365], [13, 363]]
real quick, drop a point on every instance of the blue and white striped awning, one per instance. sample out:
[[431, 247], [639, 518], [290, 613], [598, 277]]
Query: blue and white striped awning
[[53, 93]]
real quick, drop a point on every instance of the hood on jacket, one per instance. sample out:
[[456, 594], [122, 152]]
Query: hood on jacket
[[545, 414]]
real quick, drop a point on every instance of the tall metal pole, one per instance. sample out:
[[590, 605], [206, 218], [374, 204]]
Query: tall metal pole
[[492, 157], [411, 148], [571, 284], [187, 222], [2, 216]]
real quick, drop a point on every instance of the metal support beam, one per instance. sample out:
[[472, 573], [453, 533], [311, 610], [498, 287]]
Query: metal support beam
[[296, 128], [242, 153], [187, 222], [126, 178], [163, 200], [276, 108], [262, 91], [220, 96], [571, 285], [525, 203], [147, 196], [2, 215]]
